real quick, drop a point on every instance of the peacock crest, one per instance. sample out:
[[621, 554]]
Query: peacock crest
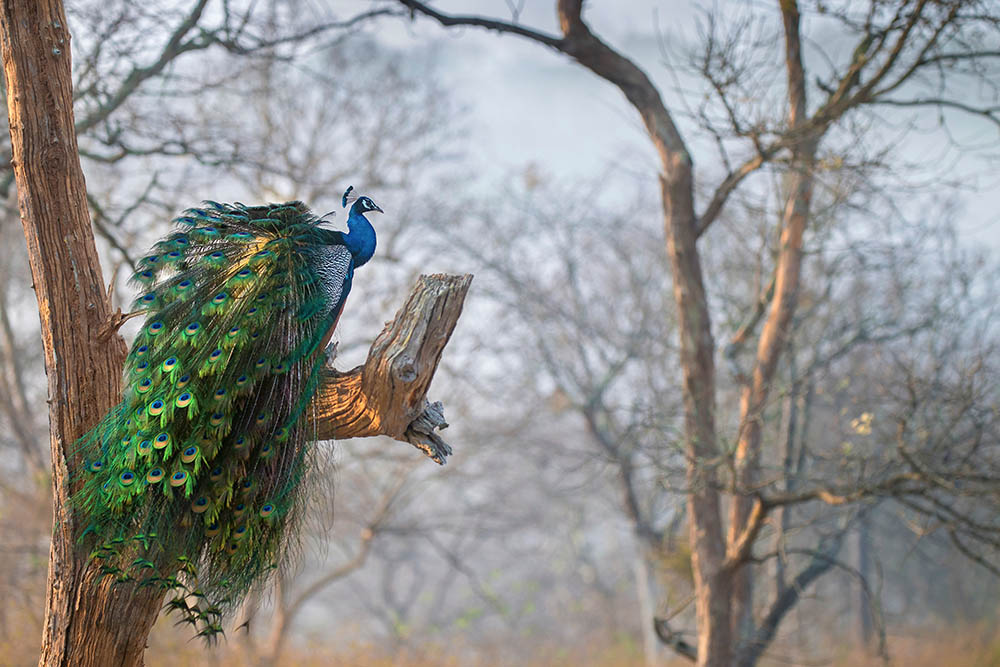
[[194, 482]]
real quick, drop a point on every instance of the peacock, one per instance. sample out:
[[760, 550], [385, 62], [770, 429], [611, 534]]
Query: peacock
[[194, 482]]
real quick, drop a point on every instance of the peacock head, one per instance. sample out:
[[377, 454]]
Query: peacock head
[[361, 204]]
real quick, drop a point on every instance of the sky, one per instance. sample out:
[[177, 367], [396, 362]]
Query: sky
[[526, 104]]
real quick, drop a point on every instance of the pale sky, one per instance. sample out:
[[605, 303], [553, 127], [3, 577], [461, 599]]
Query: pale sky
[[528, 104]]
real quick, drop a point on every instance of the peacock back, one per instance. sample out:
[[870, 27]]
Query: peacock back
[[193, 483]]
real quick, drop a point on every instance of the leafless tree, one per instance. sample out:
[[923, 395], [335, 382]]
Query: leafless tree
[[907, 54]]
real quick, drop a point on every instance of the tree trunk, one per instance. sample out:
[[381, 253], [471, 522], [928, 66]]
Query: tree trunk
[[644, 587], [713, 582], [775, 332], [83, 621]]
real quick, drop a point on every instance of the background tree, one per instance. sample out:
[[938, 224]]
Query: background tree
[[896, 47]]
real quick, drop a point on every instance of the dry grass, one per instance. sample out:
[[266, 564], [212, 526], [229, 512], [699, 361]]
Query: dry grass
[[971, 646], [361, 654]]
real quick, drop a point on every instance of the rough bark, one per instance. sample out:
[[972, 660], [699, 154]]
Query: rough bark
[[386, 396], [91, 623], [84, 372]]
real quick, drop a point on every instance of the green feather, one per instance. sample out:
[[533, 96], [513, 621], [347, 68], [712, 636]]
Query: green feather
[[200, 468]]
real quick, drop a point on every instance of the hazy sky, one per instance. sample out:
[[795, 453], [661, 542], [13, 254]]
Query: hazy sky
[[529, 104]]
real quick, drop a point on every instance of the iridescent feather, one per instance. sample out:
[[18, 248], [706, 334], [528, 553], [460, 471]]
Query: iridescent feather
[[199, 469]]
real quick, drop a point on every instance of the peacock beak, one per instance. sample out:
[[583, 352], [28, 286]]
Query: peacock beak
[[379, 209]]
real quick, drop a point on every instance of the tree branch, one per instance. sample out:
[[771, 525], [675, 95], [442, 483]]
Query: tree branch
[[490, 24], [726, 188], [674, 640], [386, 396], [173, 48], [741, 547], [822, 560]]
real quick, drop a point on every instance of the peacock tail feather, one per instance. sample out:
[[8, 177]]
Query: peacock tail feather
[[199, 469]]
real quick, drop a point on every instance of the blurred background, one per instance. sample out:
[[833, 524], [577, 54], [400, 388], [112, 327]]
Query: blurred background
[[558, 530]]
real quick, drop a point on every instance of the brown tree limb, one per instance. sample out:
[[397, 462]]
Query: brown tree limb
[[727, 187], [480, 22], [776, 329], [697, 345], [82, 622], [387, 395]]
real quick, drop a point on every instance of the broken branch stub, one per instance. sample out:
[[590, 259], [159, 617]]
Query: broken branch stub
[[387, 395]]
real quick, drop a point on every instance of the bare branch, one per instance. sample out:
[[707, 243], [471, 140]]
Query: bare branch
[[387, 394], [674, 640], [173, 48], [727, 187], [490, 24]]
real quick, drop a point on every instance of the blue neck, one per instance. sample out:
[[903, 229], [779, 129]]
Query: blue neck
[[360, 238]]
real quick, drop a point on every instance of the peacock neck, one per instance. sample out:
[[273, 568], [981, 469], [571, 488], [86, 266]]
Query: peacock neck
[[360, 237]]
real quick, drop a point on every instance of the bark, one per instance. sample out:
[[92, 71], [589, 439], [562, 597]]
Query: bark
[[697, 346], [386, 396], [712, 573], [86, 622], [775, 333], [84, 373]]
